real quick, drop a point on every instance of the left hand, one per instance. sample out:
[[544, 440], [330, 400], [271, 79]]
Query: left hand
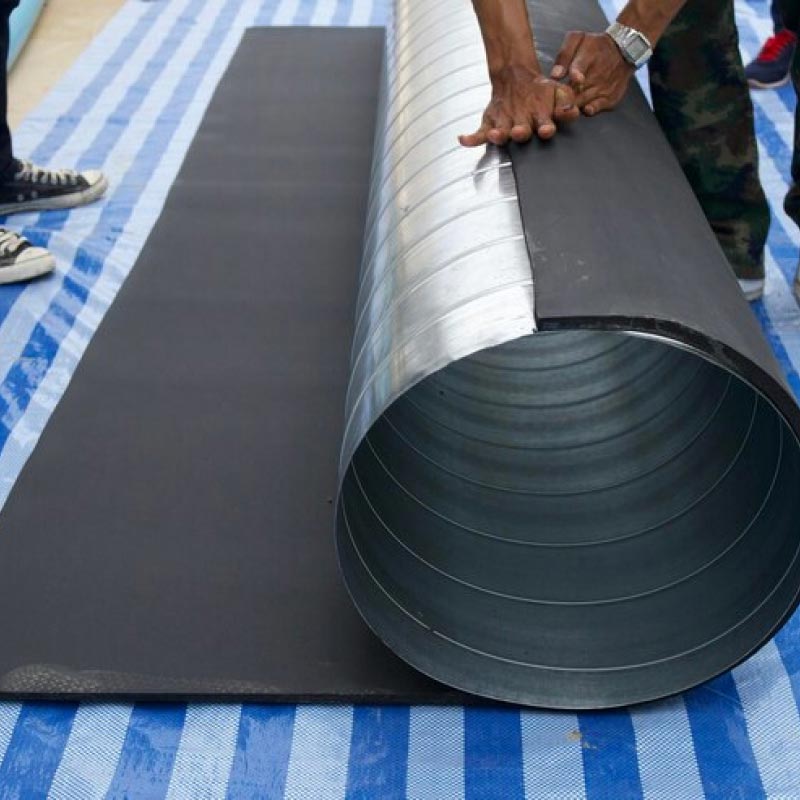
[[524, 104], [596, 69]]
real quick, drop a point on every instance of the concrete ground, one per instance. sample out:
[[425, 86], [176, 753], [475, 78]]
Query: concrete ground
[[62, 32]]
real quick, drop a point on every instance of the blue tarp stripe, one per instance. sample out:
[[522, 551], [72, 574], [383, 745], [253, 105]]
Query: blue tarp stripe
[[493, 754], [378, 753], [724, 754], [35, 750], [610, 763], [148, 754], [263, 746]]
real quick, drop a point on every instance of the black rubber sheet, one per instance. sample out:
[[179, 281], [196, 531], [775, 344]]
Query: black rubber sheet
[[614, 184], [172, 534]]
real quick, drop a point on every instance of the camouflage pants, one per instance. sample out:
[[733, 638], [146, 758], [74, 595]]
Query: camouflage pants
[[791, 19], [701, 100]]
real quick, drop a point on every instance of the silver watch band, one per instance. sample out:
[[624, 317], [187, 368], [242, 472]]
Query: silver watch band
[[634, 45]]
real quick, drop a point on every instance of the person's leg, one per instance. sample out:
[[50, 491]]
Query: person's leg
[[24, 186], [6, 154], [702, 102], [777, 18], [791, 17], [19, 259]]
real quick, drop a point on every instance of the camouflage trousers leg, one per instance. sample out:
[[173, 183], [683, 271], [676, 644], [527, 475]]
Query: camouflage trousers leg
[[791, 16], [701, 100]]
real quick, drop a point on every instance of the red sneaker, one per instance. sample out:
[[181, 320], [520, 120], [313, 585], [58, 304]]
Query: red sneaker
[[770, 68]]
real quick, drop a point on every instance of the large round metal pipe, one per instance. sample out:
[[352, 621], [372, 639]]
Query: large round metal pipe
[[566, 510]]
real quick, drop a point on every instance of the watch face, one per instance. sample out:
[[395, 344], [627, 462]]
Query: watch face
[[634, 46], [638, 49]]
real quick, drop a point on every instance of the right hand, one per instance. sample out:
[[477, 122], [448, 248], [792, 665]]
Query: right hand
[[596, 69], [524, 103]]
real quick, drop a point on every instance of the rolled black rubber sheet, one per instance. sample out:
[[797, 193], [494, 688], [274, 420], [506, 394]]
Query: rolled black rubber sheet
[[568, 461], [570, 466]]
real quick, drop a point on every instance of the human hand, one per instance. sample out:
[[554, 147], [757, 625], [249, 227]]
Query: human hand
[[524, 103], [597, 70]]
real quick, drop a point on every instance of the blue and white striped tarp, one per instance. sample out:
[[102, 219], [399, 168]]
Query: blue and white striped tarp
[[131, 105]]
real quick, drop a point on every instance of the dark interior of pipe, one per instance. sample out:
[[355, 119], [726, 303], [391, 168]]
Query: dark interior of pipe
[[581, 501]]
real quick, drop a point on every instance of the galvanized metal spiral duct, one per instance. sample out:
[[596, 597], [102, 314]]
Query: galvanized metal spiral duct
[[564, 510]]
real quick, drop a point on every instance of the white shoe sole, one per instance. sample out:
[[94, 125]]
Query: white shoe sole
[[29, 268], [81, 198], [754, 84], [752, 289]]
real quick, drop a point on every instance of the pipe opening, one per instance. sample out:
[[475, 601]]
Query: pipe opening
[[574, 519]]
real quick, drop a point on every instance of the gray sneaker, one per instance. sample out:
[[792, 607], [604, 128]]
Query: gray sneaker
[[20, 260]]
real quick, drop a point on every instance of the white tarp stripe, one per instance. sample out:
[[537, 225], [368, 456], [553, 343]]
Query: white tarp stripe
[[773, 723], [762, 23], [284, 14], [435, 753], [667, 760], [92, 752], [361, 12], [320, 753], [552, 759], [323, 12], [205, 753], [782, 310], [9, 713]]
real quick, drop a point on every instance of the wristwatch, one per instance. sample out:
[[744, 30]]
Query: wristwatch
[[634, 45]]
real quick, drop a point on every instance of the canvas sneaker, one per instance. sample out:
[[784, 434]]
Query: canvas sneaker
[[20, 260], [770, 68], [32, 188]]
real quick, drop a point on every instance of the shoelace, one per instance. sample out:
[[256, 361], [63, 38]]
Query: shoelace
[[55, 177], [775, 46], [10, 242]]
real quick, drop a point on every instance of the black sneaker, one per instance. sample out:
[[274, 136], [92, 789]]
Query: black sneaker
[[770, 68], [32, 188], [20, 260]]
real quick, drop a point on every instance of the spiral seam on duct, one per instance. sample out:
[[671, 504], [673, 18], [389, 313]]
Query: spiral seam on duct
[[438, 214]]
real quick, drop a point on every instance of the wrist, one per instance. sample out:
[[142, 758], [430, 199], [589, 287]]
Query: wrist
[[505, 57], [631, 46], [649, 18], [505, 71]]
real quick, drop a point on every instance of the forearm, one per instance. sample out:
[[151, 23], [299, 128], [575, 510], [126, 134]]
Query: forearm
[[651, 17], [506, 35]]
